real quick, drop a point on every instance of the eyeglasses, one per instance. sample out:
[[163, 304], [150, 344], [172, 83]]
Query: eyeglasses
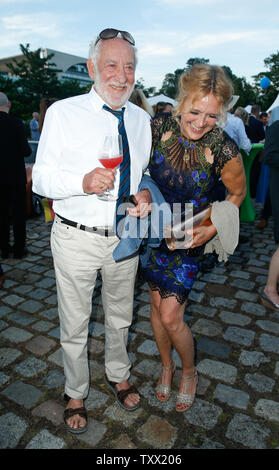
[[112, 33]]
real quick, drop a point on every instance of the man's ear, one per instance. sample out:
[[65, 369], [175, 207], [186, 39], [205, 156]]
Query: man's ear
[[90, 68]]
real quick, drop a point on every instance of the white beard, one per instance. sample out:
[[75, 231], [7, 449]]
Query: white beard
[[106, 95]]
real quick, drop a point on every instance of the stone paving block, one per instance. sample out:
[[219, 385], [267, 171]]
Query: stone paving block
[[231, 396], [16, 335], [158, 433], [259, 382], [42, 326], [94, 434], [244, 295], [206, 327], [55, 333], [203, 414], [96, 371], [202, 310], [40, 345], [127, 418], [239, 336], [53, 379], [234, 318], [218, 370], [267, 409], [96, 329], [196, 296], [30, 367], [223, 302], [148, 368], [252, 358], [149, 347], [208, 346], [57, 357], [240, 274], [4, 310], [50, 410], [254, 439], [23, 320], [31, 306], [277, 368], [95, 399], [143, 327], [39, 294], [46, 283], [255, 309], [8, 355], [13, 300], [45, 440], [51, 300], [95, 346], [23, 394], [268, 326], [123, 442], [243, 284], [214, 278], [269, 343], [3, 378], [144, 311], [50, 313], [3, 325], [12, 429], [23, 289], [207, 444]]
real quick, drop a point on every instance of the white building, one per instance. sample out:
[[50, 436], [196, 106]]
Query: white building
[[73, 67]]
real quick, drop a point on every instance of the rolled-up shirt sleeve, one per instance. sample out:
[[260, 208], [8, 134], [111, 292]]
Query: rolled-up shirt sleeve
[[50, 176]]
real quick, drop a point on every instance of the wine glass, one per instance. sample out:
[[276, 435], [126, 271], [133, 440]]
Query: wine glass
[[111, 157]]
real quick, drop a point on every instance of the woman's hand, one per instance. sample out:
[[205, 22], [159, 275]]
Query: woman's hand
[[201, 234], [143, 204]]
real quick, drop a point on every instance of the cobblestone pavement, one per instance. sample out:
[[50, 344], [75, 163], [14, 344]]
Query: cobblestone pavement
[[237, 404]]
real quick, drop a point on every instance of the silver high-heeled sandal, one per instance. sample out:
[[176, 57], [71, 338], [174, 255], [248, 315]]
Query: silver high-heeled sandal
[[184, 398], [165, 389]]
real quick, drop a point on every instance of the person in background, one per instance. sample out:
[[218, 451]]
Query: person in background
[[236, 130], [264, 118], [269, 294], [256, 134], [189, 155], [159, 108], [139, 99], [68, 170], [14, 147], [168, 109], [34, 127]]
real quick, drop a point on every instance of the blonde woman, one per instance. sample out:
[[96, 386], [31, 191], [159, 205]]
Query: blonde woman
[[190, 154]]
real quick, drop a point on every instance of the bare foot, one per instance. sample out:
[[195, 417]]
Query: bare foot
[[132, 399], [76, 421]]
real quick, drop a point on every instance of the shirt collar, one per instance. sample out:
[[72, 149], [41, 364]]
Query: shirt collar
[[98, 102]]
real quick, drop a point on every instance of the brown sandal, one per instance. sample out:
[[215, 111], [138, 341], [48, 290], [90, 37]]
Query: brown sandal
[[121, 395], [69, 412]]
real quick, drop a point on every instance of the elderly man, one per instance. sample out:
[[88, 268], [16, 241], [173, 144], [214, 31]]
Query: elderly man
[[14, 148], [68, 171]]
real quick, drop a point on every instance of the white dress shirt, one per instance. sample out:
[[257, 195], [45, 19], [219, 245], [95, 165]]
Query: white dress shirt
[[235, 128], [70, 146]]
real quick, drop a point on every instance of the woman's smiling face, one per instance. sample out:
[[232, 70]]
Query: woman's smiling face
[[200, 116]]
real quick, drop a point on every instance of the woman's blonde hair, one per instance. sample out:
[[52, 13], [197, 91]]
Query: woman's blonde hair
[[201, 80]]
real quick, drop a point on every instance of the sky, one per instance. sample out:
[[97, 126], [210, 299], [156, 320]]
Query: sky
[[236, 33]]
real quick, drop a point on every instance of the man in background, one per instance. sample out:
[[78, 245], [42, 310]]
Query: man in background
[[14, 147]]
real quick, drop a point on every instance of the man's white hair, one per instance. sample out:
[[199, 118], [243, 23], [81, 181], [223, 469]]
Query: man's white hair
[[4, 102], [94, 51]]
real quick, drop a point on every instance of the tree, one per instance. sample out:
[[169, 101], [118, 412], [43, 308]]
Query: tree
[[268, 95], [171, 80]]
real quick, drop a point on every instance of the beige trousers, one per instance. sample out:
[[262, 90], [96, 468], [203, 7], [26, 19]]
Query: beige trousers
[[78, 256]]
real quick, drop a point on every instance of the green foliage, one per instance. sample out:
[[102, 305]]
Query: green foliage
[[37, 78], [266, 97]]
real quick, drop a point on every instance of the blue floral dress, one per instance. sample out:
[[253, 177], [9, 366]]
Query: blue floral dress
[[183, 174]]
